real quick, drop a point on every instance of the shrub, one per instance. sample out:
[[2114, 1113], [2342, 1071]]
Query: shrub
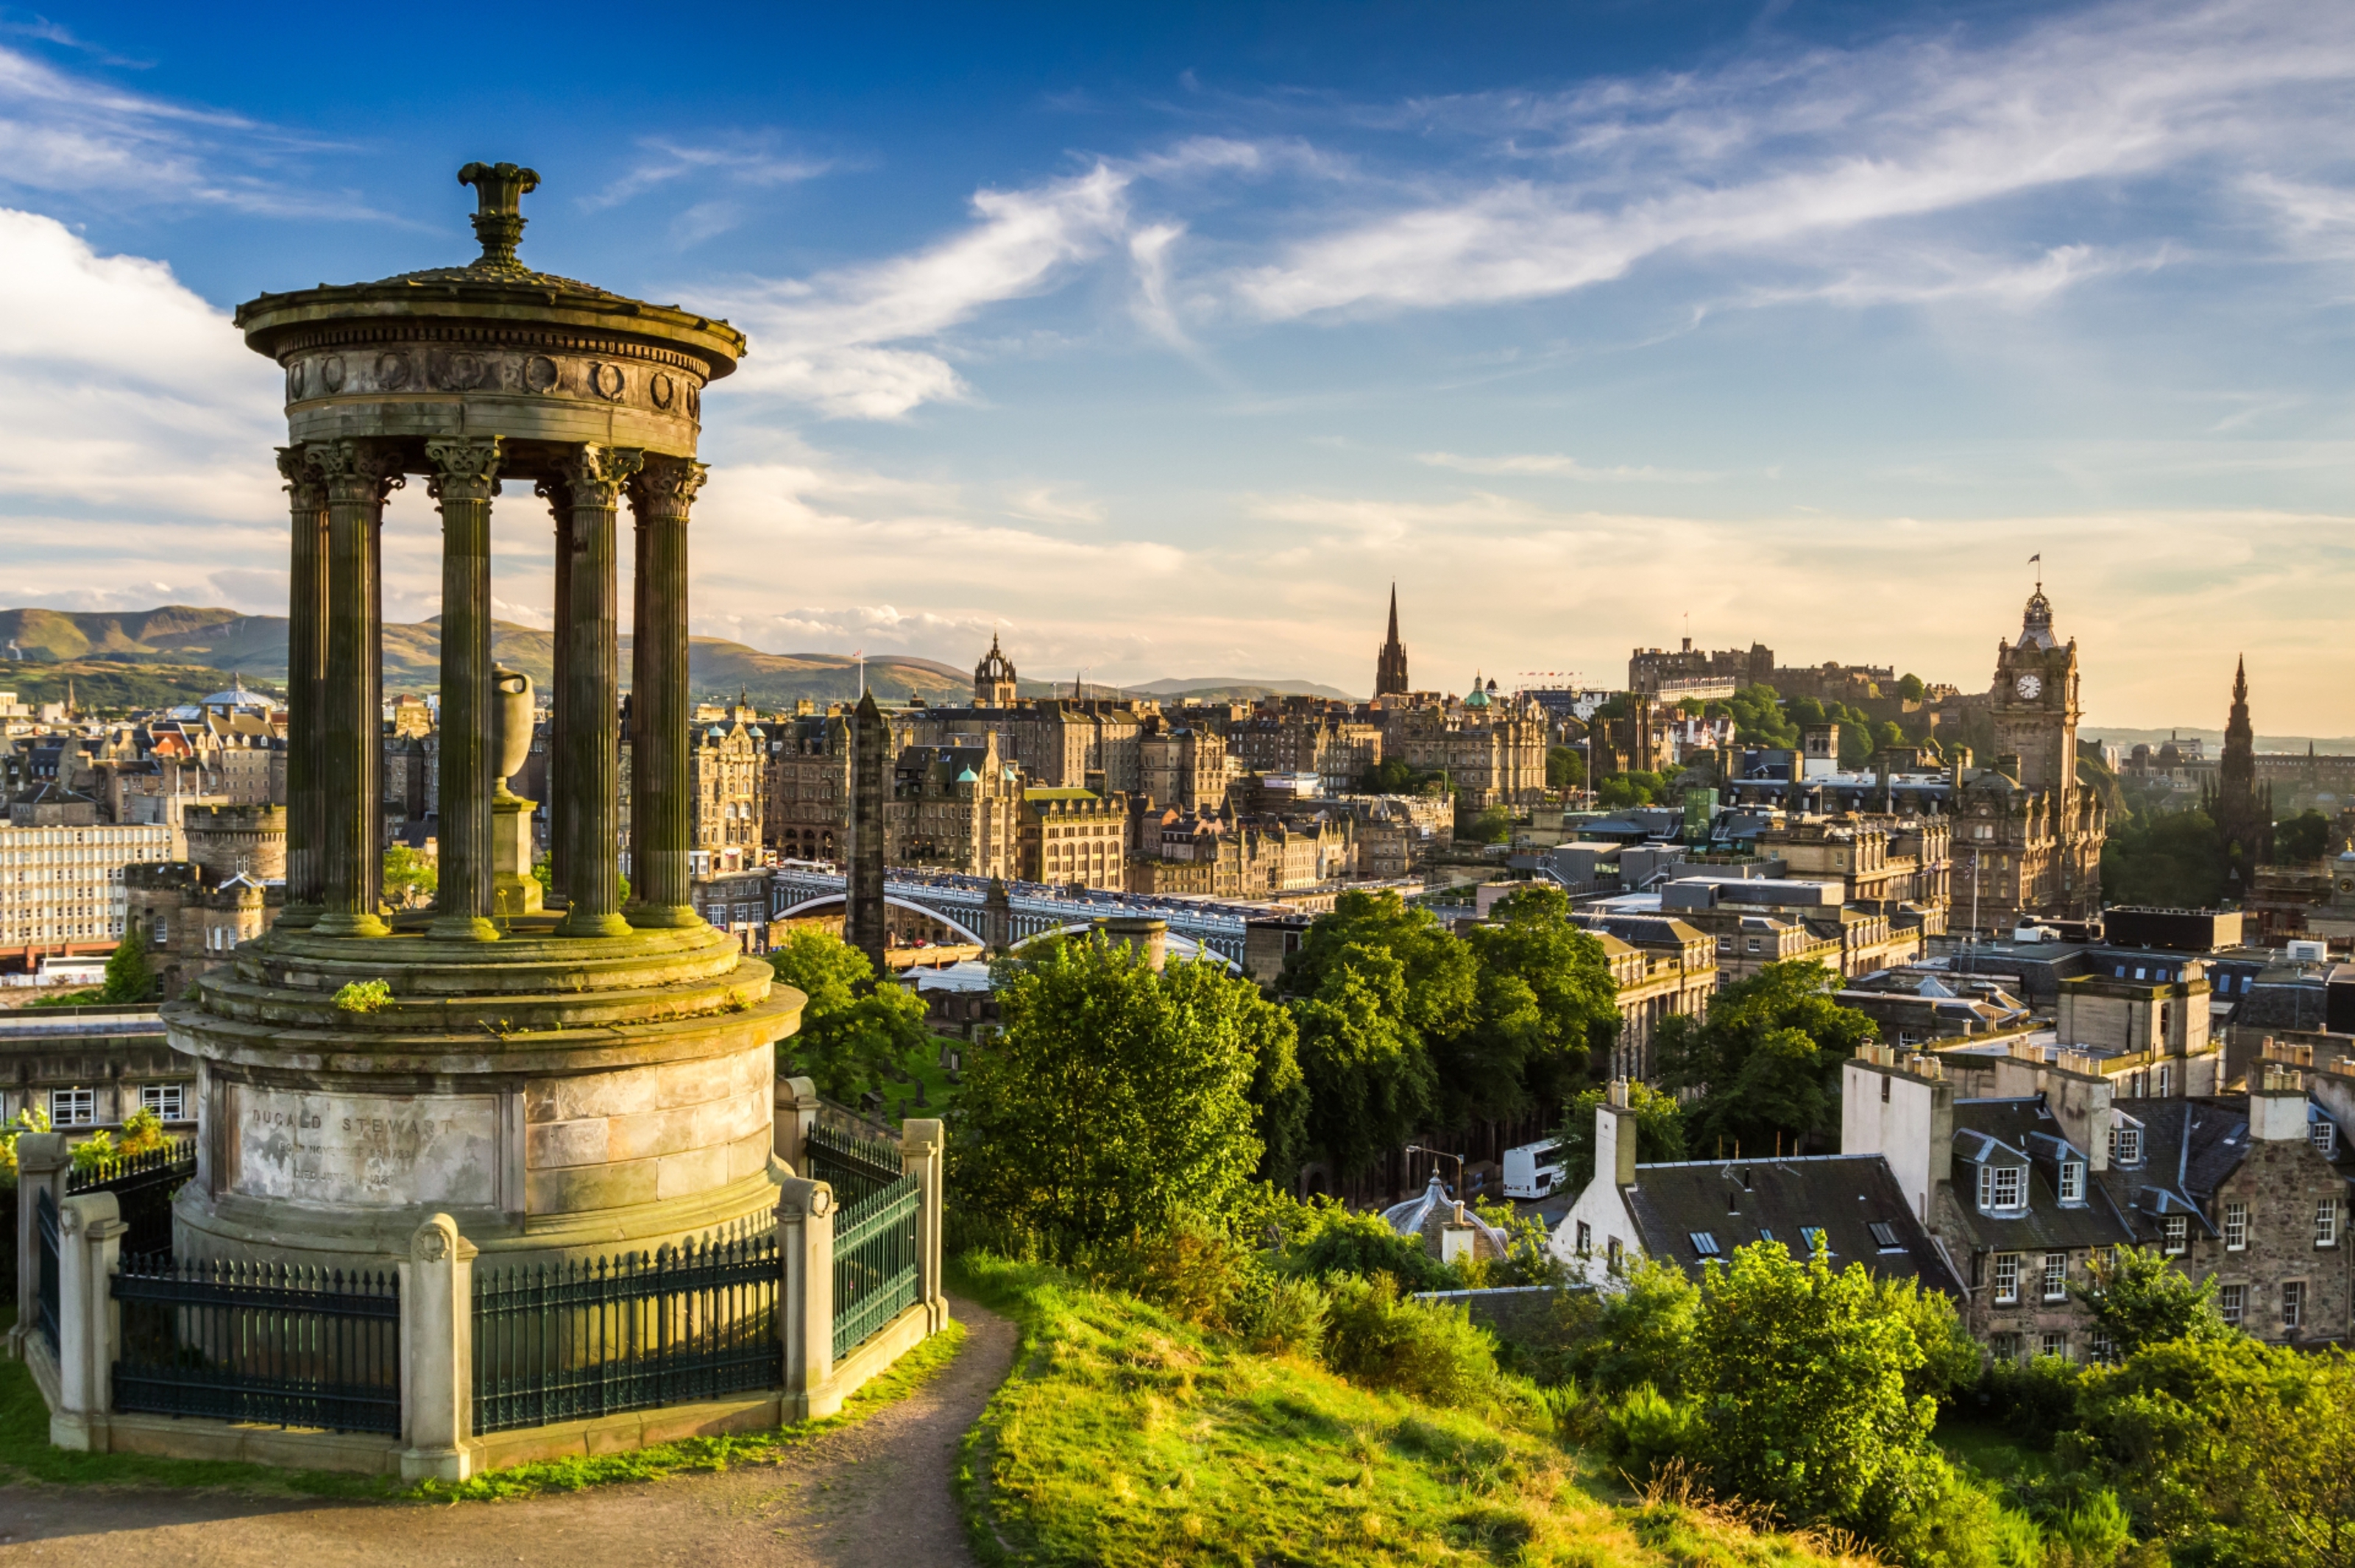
[[2034, 1401], [1646, 1431], [1274, 1315], [142, 1131], [364, 996], [1363, 1245], [1375, 1337], [94, 1150]]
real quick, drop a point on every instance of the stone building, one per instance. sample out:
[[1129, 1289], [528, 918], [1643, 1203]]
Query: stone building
[[808, 777], [87, 1081], [1307, 735], [1074, 837], [1493, 748], [727, 772], [955, 808], [1389, 659], [1663, 967], [2242, 808], [1757, 922], [61, 884], [1183, 766], [229, 890], [993, 684]]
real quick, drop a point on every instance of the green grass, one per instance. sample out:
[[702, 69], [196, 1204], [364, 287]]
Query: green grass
[[1125, 1438], [26, 1453]]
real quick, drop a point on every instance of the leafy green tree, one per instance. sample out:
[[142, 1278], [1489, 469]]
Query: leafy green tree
[[855, 1034], [1910, 687], [1766, 1059], [409, 879], [2174, 860], [1439, 970], [1618, 791], [1759, 719], [1659, 1131], [1492, 826], [2140, 1301], [1542, 1000], [1113, 1099], [1801, 1375], [130, 977], [1369, 1076], [1565, 768], [2300, 839]]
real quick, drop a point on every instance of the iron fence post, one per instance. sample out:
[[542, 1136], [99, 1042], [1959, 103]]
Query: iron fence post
[[42, 1161], [796, 1113], [89, 1240], [437, 1354], [921, 1141], [805, 1297]]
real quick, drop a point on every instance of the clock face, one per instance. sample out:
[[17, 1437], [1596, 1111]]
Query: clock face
[[2030, 686]]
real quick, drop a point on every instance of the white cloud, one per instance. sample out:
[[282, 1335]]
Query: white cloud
[[745, 160], [829, 340], [1555, 465], [1040, 503]]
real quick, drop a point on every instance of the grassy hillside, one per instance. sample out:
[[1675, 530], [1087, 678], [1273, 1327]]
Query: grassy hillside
[[1123, 1437], [101, 685]]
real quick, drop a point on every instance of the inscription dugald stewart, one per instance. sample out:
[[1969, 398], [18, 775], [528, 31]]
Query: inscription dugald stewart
[[366, 1149]]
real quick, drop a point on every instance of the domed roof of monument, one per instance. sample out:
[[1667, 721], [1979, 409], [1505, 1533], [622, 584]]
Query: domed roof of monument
[[496, 286]]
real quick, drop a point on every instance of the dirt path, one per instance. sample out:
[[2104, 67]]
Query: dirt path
[[875, 1494]]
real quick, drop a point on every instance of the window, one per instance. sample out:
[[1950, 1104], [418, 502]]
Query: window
[[1585, 1238], [1704, 1243], [2056, 1275], [2008, 1186], [2100, 1349], [2293, 1303], [2177, 1229], [1884, 1088], [1812, 1237], [1885, 1236], [168, 1101], [2054, 1344], [2125, 1146], [2162, 1080], [2073, 1182], [2007, 1277], [2236, 1226], [2005, 1347], [2233, 1302], [2325, 1134], [1764, 1234], [72, 1107], [1612, 1254], [2326, 1223]]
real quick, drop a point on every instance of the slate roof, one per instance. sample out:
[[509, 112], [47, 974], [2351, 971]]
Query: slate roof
[[2046, 1225], [1736, 1202], [2189, 1147]]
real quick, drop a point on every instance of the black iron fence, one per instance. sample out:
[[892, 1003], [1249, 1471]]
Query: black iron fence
[[856, 1166], [876, 1270], [564, 1341], [45, 1229], [259, 1342], [142, 1185]]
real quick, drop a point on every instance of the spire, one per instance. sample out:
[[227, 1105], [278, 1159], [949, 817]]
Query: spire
[[1393, 642], [2241, 681]]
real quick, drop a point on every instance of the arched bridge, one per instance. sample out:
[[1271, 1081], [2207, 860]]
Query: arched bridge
[[1029, 909]]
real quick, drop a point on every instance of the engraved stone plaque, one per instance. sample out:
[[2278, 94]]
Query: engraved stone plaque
[[363, 1151]]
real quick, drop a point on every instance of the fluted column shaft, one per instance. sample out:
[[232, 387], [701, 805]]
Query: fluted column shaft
[[357, 476], [559, 813], [661, 813], [593, 478], [465, 477], [306, 645]]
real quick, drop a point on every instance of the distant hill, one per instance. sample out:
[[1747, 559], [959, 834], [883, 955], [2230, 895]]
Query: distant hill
[[101, 685], [1235, 689], [2126, 739]]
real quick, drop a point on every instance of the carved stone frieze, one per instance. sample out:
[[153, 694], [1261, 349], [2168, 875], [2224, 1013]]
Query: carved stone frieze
[[605, 374]]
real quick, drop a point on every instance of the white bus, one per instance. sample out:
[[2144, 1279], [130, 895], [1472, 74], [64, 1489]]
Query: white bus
[[1533, 1170]]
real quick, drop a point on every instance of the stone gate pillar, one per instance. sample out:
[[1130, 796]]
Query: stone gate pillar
[[661, 812], [593, 477], [465, 476], [358, 475]]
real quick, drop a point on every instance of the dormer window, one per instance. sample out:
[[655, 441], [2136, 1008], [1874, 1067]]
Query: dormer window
[[2125, 1146], [2177, 1229], [2001, 1186], [2073, 1182], [1885, 1236], [2325, 1134]]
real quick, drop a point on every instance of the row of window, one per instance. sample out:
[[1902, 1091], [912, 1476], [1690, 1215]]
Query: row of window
[[2235, 1226], [2051, 1284], [78, 1107]]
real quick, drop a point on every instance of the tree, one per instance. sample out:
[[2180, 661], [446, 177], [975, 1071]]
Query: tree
[[2140, 1301], [1439, 970], [1565, 768], [1909, 687], [2175, 859], [409, 879], [2302, 839], [1369, 1076], [1801, 1377], [1492, 826], [1542, 999], [1759, 719], [130, 977], [1659, 1131], [855, 1033], [1618, 791], [1766, 1059], [1113, 1099]]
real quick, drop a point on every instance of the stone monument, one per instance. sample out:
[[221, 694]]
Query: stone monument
[[564, 1081]]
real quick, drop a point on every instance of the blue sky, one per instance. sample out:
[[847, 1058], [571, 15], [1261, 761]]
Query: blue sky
[[1167, 343]]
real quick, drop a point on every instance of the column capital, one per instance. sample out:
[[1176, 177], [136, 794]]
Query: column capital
[[464, 468], [307, 492], [354, 470], [665, 487], [595, 475]]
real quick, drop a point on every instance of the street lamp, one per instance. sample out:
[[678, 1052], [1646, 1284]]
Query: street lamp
[[1443, 1154]]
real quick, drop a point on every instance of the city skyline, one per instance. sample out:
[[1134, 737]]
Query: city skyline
[[1572, 327]]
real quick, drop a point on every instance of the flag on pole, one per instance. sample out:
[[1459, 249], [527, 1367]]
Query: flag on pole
[[2037, 557]]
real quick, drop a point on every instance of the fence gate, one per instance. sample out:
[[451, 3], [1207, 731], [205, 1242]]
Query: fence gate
[[142, 1185]]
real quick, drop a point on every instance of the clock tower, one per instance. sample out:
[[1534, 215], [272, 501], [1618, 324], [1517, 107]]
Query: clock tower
[[2034, 705]]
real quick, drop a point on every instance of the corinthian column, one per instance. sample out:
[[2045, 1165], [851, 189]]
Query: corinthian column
[[559, 812], [358, 476], [593, 477], [660, 809], [306, 645], [465, 476]]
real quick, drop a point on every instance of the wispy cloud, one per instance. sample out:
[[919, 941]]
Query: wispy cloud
[[1555, 465], [747, 161]]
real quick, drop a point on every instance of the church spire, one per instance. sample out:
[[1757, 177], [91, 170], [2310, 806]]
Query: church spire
[[1390, 663]]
